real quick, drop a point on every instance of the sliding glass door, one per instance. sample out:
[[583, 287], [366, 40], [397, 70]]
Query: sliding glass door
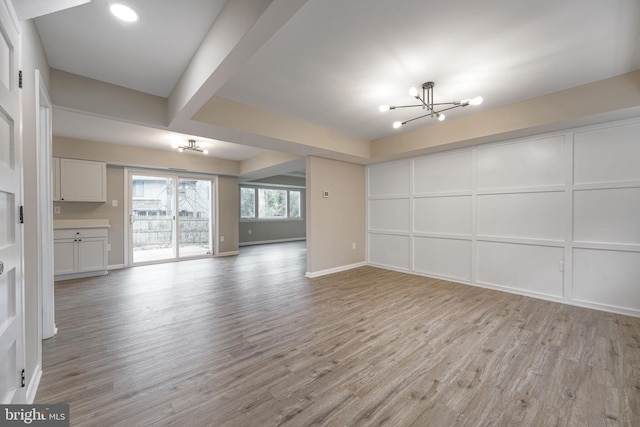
[[170, 217], [153, 218], [194, 217]]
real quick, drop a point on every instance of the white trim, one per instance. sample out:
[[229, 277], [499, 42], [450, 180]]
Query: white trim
[[264, 242], [33, 384], [265, 185], [84, 275], [231, 253], [334, 270], [116, 266], [44, 225]]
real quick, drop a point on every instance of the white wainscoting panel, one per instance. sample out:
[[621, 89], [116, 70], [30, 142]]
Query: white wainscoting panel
[[389, 215], [389, 250], [534, 163], [555, 216], [522, 215], [443, 173], [609, 278], [447, 258], [442, 215], [389, 179], [528, 268], [607, 216], [607, 155]]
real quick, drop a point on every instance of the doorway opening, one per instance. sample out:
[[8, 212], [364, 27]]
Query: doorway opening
[[170, 217]]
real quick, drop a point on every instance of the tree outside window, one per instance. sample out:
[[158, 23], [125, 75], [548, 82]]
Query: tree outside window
[[247, 202], [294, 204], [272, 203]]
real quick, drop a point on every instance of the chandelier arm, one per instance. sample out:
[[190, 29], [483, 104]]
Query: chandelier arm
[[447, 109], [393, 107], [416, 118]]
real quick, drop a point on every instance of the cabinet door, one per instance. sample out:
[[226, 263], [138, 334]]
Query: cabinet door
[[83, 181], [64, 256], [92, 254], [55, 181]]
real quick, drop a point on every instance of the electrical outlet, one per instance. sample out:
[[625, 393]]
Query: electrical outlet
[[325, 194], [56, 209], [353, 245], [108, 247], [222, 238], [114, 203], [249, 231]]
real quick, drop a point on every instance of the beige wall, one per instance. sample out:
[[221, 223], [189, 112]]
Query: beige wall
[[228, 214], [115, 215], [336, 222], [144, 157], [33, 58]]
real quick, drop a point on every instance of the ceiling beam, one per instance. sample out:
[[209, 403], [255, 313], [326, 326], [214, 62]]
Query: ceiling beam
[[29, 9], [240, 30]]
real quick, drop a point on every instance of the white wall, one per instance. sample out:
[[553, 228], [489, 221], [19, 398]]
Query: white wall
[[555, 217]]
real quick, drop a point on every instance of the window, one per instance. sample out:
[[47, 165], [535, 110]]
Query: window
[[270, 203], [294, 204], [247, 202]]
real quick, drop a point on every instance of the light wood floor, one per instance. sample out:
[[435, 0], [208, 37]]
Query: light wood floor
[[248, 341]]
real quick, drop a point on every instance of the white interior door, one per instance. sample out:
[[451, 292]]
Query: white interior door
[[11, 281]]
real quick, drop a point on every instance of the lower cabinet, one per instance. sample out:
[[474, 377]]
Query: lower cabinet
[[79, 253]]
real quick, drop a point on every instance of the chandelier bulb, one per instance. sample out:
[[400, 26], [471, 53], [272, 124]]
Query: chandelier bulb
[[441, 117], [396, 125], [383, 108], [205, 151], [180, 149], [413, 92], [476, 101]]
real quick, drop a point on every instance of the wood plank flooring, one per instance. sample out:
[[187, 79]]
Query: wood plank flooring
[[248, 341]]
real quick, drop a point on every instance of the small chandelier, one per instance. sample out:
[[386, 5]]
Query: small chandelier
[[192, 147], [426, 103]]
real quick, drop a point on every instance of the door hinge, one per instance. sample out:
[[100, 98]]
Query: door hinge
[[21, 214], [20, 79], [22, 383]]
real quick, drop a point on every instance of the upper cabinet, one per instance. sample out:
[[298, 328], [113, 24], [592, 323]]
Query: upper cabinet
[[79, 180]]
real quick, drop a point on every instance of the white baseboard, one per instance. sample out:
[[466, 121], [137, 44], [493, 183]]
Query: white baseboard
[[314, 274], [265, 242], [33, 384], [116, 267], [231, 253]]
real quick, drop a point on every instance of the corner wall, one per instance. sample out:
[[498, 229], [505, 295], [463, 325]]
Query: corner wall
[[337, 222]]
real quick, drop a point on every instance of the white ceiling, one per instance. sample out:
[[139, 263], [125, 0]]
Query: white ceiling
[[335, 61]]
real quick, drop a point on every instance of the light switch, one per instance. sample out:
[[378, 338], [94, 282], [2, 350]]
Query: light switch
[[325, 194], [56, 209]]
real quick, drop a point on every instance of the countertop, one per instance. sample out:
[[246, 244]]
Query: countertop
[[61, 224]]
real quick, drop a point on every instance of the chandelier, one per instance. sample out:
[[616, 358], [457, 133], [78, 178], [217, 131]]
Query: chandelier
[[192, 147], [426, 103]]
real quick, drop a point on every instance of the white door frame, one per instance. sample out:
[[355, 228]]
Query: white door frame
[[128, 236], [45, 203]]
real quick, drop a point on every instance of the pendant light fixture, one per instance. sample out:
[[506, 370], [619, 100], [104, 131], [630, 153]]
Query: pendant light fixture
[[426, 103], [191, 147]]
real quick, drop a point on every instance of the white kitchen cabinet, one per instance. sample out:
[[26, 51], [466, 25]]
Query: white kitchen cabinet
[[79, 180], [79, 252]]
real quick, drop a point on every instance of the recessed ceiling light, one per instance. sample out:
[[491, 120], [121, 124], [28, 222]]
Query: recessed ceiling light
[[123, 13]]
